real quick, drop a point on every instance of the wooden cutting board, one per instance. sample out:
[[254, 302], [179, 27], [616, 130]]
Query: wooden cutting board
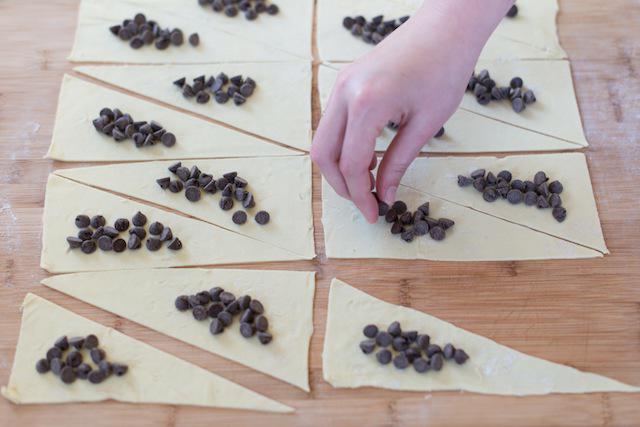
[[583, 313]]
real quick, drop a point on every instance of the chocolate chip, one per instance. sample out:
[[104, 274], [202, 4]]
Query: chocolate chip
[[401, 361], [420, 228], [225, 317], [512, 12], [559, 213], [215, 309], [256, 306], [445, 223], [119, 369], [200, 312], [139, 231], [555, 200], [43, 366], [96, 376], [139, 219], [194, 39], [53, 352], [261, 323], [394, 329], [518, 105], [82, 371], [262, 217], [265, 337], [74, 358], [272, 9], [97, 233], [182, 303], [370, 331], [153, 244], [98, 221], [156, 228], [408, 235], [368, 346], [437, 233], [105, 243], [247, 315], [556, 187], [400, 343], [460, 356], [56, 365], [391, 215], [397, 228], [105, 367], [88, 246], [74, 242], [76, 342], [384, 356], [168, 139], [180, 82], [67, 375], [448, 351], [530, 198], [464, 181], [176, 186], [216, 327], [478, 173], [423, 341], [247, 330], [479, 184], [515, 196], [412, 354], [134, 242], [399, 206], [539, 178], [215, 293], [192, 193], [516, 82], [440, 133], [82, 221], [490, 195], [436, 362], [542, 202], [226, 203], [384, 338], [420, 365], [91, 341]]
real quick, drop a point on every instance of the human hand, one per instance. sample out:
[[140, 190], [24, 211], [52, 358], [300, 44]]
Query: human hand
[[414, 78]]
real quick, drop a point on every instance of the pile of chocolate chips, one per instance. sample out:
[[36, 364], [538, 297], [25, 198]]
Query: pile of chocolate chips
[[485, 90], [250, 8], [536, 192], [73, 367], [139, 32], [94, 233], [393, 126], [121, 126], [221, 86], [406, 348], [373, 31], [231, 187], [221, 306], [410, 225]]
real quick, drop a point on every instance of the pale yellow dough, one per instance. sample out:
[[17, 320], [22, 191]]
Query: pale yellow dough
[[285, 36], [286, 295], [530, 35], [279, 109], [153, 376], [280, 185], [552, 123], [491, 369], [203, 243], [483, 231], [75, 139]]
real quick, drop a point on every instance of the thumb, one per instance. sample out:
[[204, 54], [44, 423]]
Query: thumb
[[404, 148]]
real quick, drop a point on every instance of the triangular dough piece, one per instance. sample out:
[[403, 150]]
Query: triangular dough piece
[[280, 185], [438, 176], [531, 35], [465, 131], [203, 243], [285, 36], [279, 109], [153, 377], [476, 236], [75, 139], [286, 295], [491, 369], [555, 112]]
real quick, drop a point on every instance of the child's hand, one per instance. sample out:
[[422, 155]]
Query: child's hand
[[415, 78]]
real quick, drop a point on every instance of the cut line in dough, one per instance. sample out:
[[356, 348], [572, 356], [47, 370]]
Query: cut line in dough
[[531, 34], [279, 109], [476, 236], [75, 139], [203, 243], [283, 37], [280, 185], [545, 126], [286, 295], [491, 369], [153, 376]]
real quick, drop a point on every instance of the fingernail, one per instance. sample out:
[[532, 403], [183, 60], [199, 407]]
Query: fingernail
[[390, 195]]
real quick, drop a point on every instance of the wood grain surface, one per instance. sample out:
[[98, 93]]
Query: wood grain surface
[[583, 313]]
